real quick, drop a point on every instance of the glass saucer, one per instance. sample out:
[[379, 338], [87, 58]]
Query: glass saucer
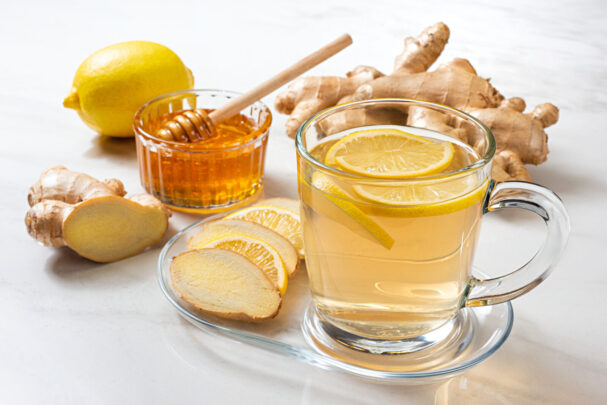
[[297, 332]]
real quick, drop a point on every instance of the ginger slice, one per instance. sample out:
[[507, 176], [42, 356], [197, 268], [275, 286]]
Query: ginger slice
[[225, 284], [110, 228], [91, 217]]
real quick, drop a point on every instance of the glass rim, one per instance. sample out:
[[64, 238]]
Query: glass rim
[[260, 133], [482, 161]]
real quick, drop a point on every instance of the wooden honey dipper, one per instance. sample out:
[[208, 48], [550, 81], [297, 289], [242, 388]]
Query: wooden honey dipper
[[196, 125]]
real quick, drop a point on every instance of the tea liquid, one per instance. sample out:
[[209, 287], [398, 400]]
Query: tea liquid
[[403, 284]]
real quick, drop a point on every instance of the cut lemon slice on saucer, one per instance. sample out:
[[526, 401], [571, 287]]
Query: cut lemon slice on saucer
[[231, 227], [389, 153], [280, 215], [259, 253]]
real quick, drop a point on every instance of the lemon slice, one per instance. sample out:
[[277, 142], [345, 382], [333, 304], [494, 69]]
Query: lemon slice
[[259, 253], [336, 203], [280, 215], [389, 153], [424, 197], [230, 227]]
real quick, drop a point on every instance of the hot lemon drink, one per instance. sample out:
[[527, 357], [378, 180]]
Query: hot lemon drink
[[390, 235]]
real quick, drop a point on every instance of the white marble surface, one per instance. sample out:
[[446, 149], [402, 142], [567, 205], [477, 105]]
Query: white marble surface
[[75, 332]]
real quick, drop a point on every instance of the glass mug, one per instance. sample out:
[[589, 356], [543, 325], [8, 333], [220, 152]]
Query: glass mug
[[388, 277]]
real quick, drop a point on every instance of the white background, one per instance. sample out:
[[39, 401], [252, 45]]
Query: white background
[[76, 332]]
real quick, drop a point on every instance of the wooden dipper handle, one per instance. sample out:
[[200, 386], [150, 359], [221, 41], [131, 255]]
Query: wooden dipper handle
[[265, 88]]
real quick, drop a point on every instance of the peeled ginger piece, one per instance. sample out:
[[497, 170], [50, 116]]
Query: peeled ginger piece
[[225, 284]]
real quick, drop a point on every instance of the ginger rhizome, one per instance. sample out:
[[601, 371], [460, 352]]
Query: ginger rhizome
[[306, 96], [92, 217], [520, 136]]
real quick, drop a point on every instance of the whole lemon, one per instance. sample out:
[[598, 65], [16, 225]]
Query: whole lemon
[[112, 83]]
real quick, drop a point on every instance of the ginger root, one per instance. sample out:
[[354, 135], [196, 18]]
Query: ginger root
[[308, 95], [520, 137], [92, 217], [58, 183]]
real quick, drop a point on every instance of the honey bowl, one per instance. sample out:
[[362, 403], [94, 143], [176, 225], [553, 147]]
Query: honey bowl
[[214, 175]]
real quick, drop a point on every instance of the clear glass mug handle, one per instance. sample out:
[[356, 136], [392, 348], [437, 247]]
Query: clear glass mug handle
[[546, 204]]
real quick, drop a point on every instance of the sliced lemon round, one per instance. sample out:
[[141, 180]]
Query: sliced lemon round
[[280, 215], [389, 153], [424, 197], [259, 252], [230, 227], [344, 210]]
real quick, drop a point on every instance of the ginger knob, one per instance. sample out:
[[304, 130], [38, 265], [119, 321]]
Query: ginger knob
[[92, 217]]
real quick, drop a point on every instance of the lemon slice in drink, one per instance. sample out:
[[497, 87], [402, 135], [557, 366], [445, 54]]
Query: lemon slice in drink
[[424, 197], [337, 204], [259, 252], [280, 215], [389, 153]]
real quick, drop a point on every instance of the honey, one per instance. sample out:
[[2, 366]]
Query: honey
[[218, 173]]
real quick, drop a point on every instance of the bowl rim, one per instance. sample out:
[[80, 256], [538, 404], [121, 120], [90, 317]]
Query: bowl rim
[[140, 134]]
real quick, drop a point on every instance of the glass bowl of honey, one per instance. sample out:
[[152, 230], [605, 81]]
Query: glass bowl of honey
[[222, 172]]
